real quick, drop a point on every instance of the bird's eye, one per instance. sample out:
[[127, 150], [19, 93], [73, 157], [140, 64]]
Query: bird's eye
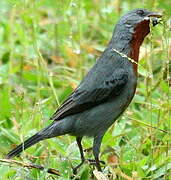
[[140, 12]]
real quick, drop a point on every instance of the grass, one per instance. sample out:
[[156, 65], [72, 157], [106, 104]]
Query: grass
[[46, 49]]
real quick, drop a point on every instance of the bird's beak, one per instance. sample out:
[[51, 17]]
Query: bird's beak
[[154, 16]]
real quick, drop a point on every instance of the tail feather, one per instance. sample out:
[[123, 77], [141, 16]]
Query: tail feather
[[57, 128], [29, 142]]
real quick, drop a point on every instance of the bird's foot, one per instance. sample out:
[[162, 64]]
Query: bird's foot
[[93, 162], [77, 167]]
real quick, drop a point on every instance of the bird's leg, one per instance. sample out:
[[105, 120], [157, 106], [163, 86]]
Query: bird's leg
[[92, 161], [96, 150], [78, 139]]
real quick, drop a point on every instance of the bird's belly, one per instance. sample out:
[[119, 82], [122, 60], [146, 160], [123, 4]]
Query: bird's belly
[[98, 119]]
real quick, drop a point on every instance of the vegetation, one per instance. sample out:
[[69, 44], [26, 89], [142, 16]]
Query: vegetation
[[46, 49]]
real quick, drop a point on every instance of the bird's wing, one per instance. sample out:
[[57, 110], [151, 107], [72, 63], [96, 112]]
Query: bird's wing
[[82, 98]]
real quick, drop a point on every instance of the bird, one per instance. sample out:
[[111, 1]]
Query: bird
[[106, 90]]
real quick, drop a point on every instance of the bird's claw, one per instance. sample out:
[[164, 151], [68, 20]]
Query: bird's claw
[[90, 161], [77, 167], [93, 162]]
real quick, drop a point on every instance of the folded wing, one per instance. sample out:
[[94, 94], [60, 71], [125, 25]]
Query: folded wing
[[84, 98]]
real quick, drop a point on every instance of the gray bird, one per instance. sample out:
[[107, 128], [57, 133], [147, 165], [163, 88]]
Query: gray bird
[[105, 92]]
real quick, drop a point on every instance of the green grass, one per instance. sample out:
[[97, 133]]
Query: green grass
[[46, 49]]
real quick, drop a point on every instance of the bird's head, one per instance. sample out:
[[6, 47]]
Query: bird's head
[[131, 30], [137, 23], [139, 16]]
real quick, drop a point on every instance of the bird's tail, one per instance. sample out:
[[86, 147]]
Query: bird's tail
[[54, 129], [26, 144]]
